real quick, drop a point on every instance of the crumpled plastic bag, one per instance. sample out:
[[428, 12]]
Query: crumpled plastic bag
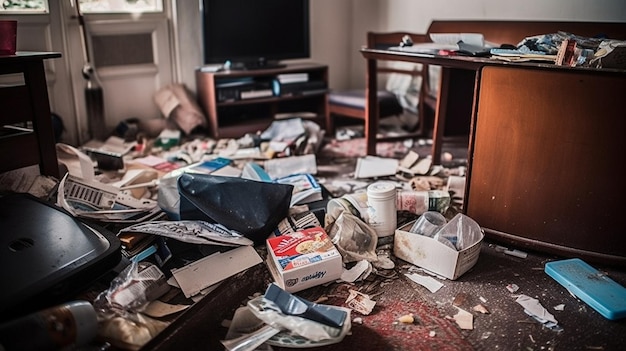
[[250, 207], [119, 307], [354, 239], [271, 314], [459, 233]]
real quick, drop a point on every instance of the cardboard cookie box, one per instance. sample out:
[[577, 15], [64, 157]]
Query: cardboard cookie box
[[432, 255], [303, 259]]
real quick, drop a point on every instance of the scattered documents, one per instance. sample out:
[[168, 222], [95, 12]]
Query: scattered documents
[[374, 166], [305, 188]]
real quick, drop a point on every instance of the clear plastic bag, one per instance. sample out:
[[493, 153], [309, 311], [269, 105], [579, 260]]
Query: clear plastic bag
[[354, 238]]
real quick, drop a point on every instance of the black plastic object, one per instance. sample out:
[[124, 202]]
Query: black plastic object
[[47, 254], [296, 306], [249, 207]]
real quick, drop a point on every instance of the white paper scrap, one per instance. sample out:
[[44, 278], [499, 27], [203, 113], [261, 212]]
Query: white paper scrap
[[464, 319], [428, 282], [534, 308], [351, 275], [203, 273]]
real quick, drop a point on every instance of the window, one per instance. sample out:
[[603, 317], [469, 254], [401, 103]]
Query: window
[[120, 6], [23, 6]]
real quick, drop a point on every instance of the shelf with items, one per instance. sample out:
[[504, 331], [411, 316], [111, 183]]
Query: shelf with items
[[239, 102]]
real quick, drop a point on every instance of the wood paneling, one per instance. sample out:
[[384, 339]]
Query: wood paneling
[[544, 170]]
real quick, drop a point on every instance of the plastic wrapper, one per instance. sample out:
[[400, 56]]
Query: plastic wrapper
[[271, 314], [459, 233], [133, 288], [354, 238], [118, 308]]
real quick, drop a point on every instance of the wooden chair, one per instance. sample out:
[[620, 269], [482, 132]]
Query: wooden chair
[[26, 133], [352, 103]]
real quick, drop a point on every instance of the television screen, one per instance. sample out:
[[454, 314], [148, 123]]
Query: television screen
[[255, 33]]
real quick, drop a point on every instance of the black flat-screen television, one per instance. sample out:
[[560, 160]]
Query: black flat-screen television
[[253, 34]]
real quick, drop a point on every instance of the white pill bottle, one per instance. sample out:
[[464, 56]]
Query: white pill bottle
[[381, 202]]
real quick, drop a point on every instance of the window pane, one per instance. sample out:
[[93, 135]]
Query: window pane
[[120, 6], [24, 6]]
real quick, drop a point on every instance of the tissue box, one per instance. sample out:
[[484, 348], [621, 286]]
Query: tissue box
[[432, 255], [303, 259]]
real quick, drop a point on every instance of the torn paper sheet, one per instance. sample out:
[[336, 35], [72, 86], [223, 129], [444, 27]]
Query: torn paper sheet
[[193, 232], [360, 302], [374, 166], [534, 308], [285, 166], [428, 282], [78, 164]]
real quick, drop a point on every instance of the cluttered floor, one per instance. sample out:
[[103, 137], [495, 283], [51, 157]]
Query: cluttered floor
[[504, 302], [489, 292]]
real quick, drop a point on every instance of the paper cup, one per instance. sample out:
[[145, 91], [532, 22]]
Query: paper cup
[[8, 37]]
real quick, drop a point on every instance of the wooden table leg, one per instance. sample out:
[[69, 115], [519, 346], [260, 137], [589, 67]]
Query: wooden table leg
[[371, 108], [440, 115]]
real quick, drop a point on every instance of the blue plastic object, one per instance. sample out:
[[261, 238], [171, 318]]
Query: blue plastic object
[[596, 289]]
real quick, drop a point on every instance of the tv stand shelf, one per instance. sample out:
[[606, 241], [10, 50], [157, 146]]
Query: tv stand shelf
[[237, 102]]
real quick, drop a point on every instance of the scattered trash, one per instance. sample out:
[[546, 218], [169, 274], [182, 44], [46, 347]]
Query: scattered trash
[[516, 253], [460, 299], [533, 308], [464, 319], [375, 166], [303, 259], [559, 307], [360, 302], [384, 260], [194, 232], [358, 272], [434, 255], [481, 308], [429, 283], [406, 319], [512, 288], [432, 333]]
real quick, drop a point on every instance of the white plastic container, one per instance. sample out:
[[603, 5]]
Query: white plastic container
[[382, 213]]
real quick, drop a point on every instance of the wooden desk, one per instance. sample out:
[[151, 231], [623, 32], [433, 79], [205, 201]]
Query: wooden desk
[[544, 144], [463, 71], [544, 160], [23, 104]]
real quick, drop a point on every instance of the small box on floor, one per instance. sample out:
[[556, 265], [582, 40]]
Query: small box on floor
[[433, 255], [303, 259]]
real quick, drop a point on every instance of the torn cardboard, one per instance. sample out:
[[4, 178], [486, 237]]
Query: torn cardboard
[[177, 104]]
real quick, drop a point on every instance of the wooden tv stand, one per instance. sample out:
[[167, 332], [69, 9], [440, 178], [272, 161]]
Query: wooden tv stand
[[232, 114]]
